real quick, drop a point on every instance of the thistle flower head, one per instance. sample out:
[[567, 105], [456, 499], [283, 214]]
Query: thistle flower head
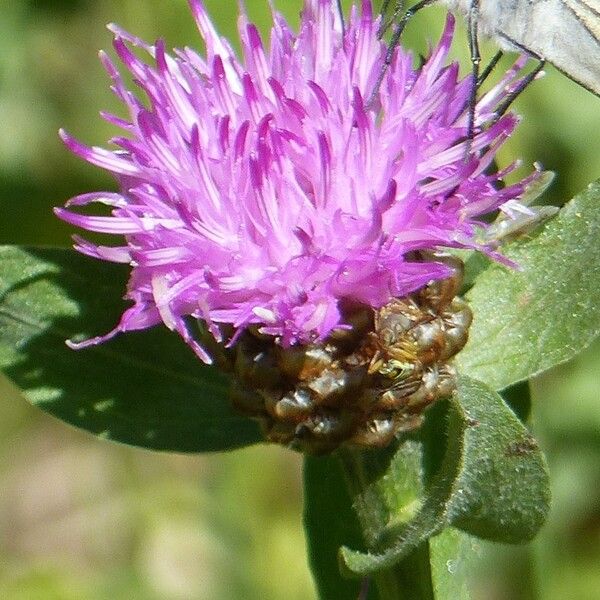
[[265, 191]]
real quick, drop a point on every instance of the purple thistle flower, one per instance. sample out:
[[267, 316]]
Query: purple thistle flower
[[263, 191]]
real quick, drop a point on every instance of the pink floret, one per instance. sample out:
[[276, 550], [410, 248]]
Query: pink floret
[[264, 190]]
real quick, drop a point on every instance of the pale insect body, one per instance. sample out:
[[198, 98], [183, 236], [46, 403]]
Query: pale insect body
[[565, 33]]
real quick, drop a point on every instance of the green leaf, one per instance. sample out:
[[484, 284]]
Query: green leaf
[[408, 524], [454, 558], [146, 388], [444, 565], [492, 483], [528, 320], [329, 522], [502, 493]]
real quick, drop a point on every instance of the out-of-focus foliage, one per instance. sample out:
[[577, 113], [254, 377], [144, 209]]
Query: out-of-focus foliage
[[150, 392], [80, 519]]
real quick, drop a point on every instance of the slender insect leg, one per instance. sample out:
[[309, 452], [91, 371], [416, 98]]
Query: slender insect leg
[[385, 25], [490, 67], [393, 43], [384, 7], [526, 81], [340, 10], [517, 91], [473, 22]]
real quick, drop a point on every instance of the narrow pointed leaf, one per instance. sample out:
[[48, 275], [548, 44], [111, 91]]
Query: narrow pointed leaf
[[529, 320], [146, 389]]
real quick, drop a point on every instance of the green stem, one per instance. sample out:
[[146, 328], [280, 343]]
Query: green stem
[[409, 579], [367, 502]]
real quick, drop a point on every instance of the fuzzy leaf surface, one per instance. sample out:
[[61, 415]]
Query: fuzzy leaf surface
[[528, 320], [492, 483], [454, 560], [502, 493]]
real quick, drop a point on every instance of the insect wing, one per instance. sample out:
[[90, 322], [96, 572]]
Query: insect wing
[[566, 33], [588, 13]]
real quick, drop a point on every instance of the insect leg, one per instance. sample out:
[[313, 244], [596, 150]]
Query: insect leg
[[517, 91], [490, 67], [340, 10], [384, 8], [398, 7], [389, 55], [475, 60]]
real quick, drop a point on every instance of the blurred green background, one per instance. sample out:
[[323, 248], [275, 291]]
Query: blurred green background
[[85, 519]]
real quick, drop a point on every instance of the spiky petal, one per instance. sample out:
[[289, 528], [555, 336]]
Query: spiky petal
[[263, 191]]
